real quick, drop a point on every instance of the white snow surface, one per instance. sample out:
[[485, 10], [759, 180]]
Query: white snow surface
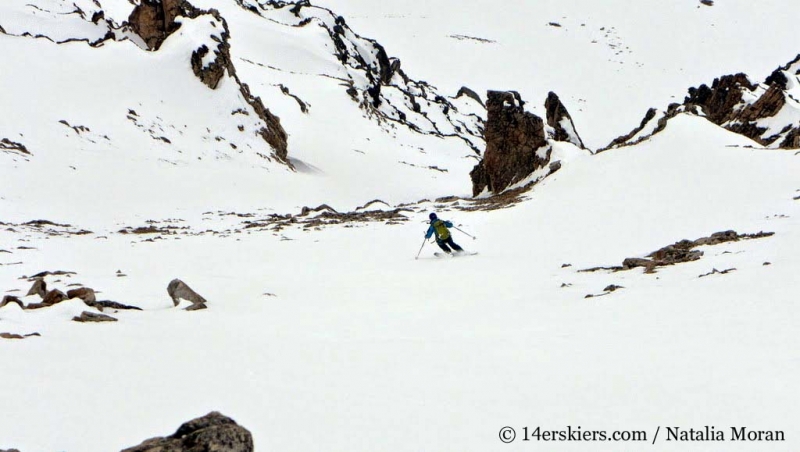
[[337, 338]]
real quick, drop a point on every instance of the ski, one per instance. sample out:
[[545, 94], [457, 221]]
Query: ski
[[465, 253]]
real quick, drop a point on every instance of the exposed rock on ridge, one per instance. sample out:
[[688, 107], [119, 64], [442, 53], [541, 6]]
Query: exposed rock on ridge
[[377, 82], [155, 20], [516, 144], [519, 143], [559, 119], [767, 113]]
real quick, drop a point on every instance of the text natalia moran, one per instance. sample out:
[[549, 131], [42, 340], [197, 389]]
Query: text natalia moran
[[713, 434]]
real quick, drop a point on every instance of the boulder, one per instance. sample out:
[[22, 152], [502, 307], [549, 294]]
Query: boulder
[[178, 290], [91, 317], [11, 299], [515, 140], [53, 297], [84, 293], [212, 432], [39, 287]]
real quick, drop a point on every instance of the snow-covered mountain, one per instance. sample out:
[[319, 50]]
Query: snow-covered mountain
[[220, 206]]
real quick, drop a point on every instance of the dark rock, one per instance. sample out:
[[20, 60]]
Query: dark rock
[[39, 287], [106, 304], [91, 317], [178, 290], [11, 299], [464, 91], [213, 432], [197, 307], [612, 288], [18, 336], [55, 296], [8, 145], [719, 100], [633, 262], [84, 293], [154, 20], [513, 137], [557, 116]]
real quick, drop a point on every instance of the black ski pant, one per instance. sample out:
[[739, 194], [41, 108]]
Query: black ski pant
[[449, 241]]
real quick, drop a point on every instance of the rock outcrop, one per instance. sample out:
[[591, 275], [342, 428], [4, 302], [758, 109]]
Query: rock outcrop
[[155, 20], [377, 81], [680, 252], [179, 290], [8, 145], [559, 119], [213, 432], [767, 113], [516, 144]]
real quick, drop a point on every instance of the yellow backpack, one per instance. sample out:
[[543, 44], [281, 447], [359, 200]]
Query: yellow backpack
[[442, 233]]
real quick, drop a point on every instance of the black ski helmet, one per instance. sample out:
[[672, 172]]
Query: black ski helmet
[[432, 216]]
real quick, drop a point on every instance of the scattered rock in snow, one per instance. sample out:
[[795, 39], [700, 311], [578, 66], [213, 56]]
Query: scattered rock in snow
[[612, 288], [17, 336], [707, 2], [715, 271], [54, 296], [49, 273], [92, 317], [680, 252], [39, 287], [179, 290], [304, 106], [212, 432], [84, 293], [8, 146], [11, 299], [472, 38], [107, 304]]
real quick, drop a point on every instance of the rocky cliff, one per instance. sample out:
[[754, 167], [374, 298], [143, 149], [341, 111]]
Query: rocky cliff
[[767, 113]]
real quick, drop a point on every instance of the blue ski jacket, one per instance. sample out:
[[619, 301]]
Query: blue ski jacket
[[432, 230]]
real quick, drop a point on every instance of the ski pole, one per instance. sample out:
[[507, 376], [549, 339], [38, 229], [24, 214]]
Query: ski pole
[[473, 237], [420, 248]]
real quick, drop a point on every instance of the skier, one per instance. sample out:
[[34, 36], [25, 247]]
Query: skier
[[443, 236]]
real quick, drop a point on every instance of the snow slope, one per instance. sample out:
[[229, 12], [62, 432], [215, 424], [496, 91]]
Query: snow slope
[[609, 61], [363, 347]]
